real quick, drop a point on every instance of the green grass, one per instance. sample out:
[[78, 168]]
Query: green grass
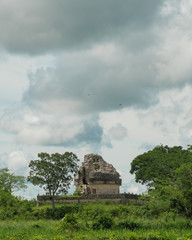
[[96, 222], [47, 230], [26, 229]]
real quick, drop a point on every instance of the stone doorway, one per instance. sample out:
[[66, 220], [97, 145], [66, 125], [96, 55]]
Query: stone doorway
[[94, 191]]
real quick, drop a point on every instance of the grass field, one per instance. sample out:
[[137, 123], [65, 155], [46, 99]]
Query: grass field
[[47, 230], [96, 222]]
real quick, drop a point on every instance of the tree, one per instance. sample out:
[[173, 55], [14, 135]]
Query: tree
[[183, 184], [168, 174], [10, 182], [159, 164], [173, 195], [53, 172]]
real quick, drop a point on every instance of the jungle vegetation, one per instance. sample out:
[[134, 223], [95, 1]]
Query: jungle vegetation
[[166, 214]]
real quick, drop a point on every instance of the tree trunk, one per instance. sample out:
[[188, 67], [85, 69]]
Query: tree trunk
[[53, 202]]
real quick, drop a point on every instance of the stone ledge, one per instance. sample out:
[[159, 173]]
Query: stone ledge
[[96, 196]]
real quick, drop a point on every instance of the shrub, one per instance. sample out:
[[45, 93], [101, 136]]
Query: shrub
[[69, 222], [59, 213], [92, 211], [12, 207], [103, 222], [128, 224]]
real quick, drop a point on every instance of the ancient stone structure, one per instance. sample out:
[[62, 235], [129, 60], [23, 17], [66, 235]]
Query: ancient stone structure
[[123, 198], [96, 176]]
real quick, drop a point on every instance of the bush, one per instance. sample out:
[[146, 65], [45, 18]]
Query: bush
[[92, 211], [12, 207], [69, 222], [128, 224], [103, 222], [59, 213]]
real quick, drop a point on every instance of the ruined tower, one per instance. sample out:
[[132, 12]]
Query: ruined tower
[[96, 176]]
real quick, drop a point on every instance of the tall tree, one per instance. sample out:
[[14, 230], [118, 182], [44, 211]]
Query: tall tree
[[183, 184], [159, 164], [173, 194], [167, 171], [10, 182], [53, 172]]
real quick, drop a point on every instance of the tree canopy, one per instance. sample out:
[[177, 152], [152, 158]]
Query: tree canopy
[[10, 182], [167, 171], [159, 164], [53, 172]]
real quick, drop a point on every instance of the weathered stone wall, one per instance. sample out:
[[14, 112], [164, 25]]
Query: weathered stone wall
[[125, 198], [104, 189]]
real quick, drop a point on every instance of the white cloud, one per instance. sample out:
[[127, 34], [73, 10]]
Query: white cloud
[[168, 123], [133, 189], [36, 127], [16, 160], [14, 76], [118, 132]]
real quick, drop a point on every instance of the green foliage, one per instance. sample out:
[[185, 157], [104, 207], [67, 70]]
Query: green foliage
[[159, 164], [10, 182], [92, 211], [60, 211], [12, 207], [69, 222], [172, 194], [53, 172], [96, 166], [183, 185], [103, 222], [128, 222], [168, 174]]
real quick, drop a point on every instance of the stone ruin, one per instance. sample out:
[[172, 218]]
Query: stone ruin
[[96, 176]]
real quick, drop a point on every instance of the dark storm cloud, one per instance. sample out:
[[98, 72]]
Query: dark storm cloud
[[92, 132], [87, 83], [40, 26], [110, 55]]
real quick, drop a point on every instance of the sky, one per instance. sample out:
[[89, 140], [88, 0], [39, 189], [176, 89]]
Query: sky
[[107, 77]]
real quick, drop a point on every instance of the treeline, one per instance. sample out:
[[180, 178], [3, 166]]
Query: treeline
[[12, 207], [53, 173], [167, 172], [166, 214]]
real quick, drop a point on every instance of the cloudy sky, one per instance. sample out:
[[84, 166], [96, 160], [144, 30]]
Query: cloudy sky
[[108, 77]]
